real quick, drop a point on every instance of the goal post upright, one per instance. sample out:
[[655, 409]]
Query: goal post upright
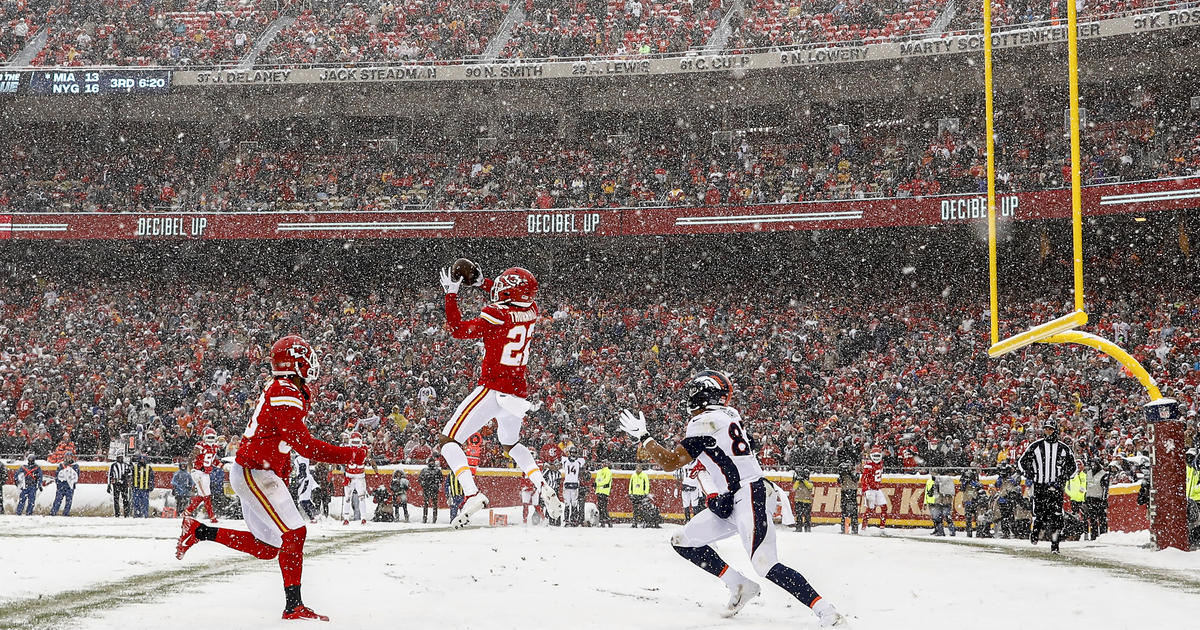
[[1168, 517], [989, 111]]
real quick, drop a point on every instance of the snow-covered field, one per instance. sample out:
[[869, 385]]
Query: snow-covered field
[[110, 573]]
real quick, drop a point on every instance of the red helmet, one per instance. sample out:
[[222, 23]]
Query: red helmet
[[292, 355], [515, 285], [356, 439], [210, 435], [876, 455]]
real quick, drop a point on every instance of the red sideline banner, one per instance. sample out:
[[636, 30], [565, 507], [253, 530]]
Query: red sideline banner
[[1125, 198], [905, 493]]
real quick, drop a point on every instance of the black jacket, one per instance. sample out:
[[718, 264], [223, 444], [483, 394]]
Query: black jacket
[[430, 480]]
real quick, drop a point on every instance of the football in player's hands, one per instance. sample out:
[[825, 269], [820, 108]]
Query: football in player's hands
[[466, 271], [633, 425]]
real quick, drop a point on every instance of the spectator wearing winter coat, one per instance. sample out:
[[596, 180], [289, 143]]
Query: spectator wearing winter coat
[[1095, 507], [118, 486], [65, 480], [29, 481], [957, 457], [181, 486], [431, 485], [399, 486]]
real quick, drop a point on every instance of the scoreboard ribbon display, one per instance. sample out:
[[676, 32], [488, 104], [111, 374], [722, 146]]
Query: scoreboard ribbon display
[[58, 81]]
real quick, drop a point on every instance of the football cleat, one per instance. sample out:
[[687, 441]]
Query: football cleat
[[554, 507], [187, 537], [345, 521], [473, 504], [739, 596], [364, 521], [303, 612]]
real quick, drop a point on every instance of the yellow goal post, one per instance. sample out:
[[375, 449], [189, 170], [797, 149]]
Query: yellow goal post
[[1061, 329]]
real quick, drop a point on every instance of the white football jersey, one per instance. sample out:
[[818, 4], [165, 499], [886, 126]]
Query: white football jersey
[[571, 468], [716, 439]]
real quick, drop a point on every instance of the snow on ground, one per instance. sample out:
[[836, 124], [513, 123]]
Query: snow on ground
[[103, 573]]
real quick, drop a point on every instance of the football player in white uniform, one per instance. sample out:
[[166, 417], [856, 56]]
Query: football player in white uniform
[[572, 467], [689, 490], [716, 438]]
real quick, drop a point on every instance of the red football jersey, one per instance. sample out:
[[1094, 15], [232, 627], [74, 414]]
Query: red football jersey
[[357, 471], [207, 457], [872, 476], [277, 427], [506, 331]]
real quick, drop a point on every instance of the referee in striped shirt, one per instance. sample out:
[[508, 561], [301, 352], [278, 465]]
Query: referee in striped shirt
[[1049, 463]]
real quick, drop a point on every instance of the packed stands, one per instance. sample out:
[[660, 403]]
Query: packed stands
[[386, 31], [172, 169], [616, 27], [822, 372]]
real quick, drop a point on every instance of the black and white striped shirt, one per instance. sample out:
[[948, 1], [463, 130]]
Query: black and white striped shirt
[[118, 474], [1048, 462]]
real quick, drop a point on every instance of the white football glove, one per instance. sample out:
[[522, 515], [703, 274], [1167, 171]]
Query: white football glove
[[449, 284], [478, 276], [634, 425]]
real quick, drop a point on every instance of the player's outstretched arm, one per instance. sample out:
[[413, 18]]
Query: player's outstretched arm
[[459, 329], [669, 460], [297, 436]]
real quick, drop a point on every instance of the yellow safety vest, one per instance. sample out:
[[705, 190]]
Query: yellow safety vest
[[603, 481], [639, 484], [454, 488], [143, 477], [1076, 487], [929, 498], [1193, 484]]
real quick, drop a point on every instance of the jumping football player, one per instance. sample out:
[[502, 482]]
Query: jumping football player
[[506, 328], [871, 485], [263, 462], [205, 457], [716, 438]]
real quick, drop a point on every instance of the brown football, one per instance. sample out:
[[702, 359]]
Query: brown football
[[465, 270]]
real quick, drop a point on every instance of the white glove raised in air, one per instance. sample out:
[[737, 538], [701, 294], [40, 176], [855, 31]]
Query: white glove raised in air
[[633, 425], [449, 284]]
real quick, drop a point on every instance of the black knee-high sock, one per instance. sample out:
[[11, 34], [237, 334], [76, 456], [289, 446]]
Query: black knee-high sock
[[704, 557], [791, 581], [205, 532]]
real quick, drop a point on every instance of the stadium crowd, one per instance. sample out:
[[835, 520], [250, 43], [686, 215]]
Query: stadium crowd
[[297, 171], [223, 32], [821, 374]]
